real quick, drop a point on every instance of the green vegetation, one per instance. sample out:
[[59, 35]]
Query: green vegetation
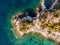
[[25, 24], [45, 24], [52, 27]]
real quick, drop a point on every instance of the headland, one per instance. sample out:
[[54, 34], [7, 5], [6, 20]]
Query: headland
[[44, 21]]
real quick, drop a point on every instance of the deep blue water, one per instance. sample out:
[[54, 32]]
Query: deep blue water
[[9, 7]]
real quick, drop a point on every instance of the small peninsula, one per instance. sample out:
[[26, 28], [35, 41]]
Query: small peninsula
[[43, 20]]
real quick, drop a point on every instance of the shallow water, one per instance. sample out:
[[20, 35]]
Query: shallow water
[[7, 9]]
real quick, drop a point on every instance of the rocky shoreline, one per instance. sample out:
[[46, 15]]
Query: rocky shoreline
[[34, 23]]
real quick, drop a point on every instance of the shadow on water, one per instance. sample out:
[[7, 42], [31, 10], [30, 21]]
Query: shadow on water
[[6, 35]]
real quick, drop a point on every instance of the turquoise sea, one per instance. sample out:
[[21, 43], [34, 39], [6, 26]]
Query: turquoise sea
[[9, 8]]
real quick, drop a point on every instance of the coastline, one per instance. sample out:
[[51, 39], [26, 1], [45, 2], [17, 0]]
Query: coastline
[[40, 31], [37, 29]]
